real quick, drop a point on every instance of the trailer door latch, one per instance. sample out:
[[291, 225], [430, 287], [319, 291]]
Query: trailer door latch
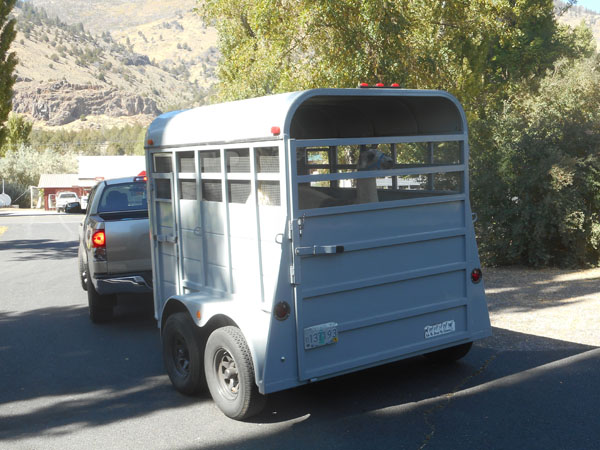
[[319, 250]]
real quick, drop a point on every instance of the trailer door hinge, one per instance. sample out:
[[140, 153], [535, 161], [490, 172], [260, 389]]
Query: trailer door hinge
[[292, 276], [301, 224]]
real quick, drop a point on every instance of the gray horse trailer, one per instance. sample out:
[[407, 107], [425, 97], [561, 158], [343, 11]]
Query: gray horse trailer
[[301, 236]]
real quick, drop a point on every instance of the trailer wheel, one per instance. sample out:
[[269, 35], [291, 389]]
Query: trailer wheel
[[230, 374], [101, 306], [183, 354], [451, 354]]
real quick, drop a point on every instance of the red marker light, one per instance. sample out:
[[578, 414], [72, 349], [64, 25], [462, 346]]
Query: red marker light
[[275, 131], [363, 85], [396, 85], [380, 85], [150, 142], [476, 276], [99, 239], [282, 310]]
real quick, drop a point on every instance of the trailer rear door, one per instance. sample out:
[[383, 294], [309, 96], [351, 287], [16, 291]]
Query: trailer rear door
[[378, 281]]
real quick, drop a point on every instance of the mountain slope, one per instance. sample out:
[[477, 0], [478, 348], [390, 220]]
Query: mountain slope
[[64, 71]]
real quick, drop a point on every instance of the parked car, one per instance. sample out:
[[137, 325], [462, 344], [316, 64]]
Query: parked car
[[114, 245], [64, 198], [84, 202]]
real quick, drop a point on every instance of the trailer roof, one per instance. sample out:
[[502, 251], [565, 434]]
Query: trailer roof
[[312, 114]]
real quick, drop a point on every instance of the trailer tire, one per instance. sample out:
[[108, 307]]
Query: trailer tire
[[230, 374], [100, 306], [450, 354], [183, 353]]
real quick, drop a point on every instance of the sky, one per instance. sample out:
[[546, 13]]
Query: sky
[[594, 5]]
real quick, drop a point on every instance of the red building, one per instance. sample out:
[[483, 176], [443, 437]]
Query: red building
[[53, 184]]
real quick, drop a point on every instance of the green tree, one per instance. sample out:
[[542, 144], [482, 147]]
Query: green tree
[[538, 183], [18, 130], [8, 62], [474, 49]]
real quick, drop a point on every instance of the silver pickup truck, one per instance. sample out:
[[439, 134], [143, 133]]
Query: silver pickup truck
[[114, 244]]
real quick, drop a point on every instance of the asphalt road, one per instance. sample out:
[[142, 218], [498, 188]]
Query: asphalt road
[[66, 383]]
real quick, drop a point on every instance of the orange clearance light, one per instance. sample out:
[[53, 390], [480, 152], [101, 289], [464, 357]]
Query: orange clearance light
[[275, 131], [150, 142], [198, 314], [99, 239]]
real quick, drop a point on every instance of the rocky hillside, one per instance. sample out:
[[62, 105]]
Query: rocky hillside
[[67, 73], [61, 102], [575, 15]]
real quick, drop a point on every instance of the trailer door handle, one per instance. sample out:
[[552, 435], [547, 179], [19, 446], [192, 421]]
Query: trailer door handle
[[319, 250]]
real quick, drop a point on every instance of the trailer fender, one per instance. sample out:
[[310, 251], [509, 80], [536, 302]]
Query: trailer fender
[[210, 312]]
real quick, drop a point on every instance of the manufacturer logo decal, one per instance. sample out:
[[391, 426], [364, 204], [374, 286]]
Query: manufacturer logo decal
[[449, 326]]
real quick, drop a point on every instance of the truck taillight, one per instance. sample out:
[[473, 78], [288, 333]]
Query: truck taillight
[[99, 239]]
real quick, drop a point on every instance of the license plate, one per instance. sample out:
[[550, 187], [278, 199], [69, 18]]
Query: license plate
[[320, 335], [449, 326]]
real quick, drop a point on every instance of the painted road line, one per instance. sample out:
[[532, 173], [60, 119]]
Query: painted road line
[[2, 230]]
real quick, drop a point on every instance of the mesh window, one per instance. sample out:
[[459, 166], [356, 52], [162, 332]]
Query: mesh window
[[239, 191], [267, 160], [211, 191], [238, 161], [163, 189], [162, 163], [210, 162], [187, 189], [185, 162], [268, 193]]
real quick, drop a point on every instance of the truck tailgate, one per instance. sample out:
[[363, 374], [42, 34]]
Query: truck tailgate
[[128, 245]]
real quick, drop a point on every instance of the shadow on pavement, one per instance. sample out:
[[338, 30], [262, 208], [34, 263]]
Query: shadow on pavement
[[40, 249], [79, 374], [57, 369]]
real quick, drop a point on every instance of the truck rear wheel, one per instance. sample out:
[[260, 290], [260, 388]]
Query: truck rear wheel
[[230, 374], [101, 306], [183, 354], [451, 354], [82, 270]]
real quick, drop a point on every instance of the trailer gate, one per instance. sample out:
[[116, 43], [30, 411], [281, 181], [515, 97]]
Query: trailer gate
[[367, 278]]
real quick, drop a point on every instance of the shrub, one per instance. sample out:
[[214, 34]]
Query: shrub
[[536, 173]]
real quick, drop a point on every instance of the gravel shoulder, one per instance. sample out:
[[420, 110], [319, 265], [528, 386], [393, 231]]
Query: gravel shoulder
[[554, 303]]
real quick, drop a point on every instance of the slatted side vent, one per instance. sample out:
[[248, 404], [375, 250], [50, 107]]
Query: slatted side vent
[[185, 162], [239, 191], [269, 193], [212, 191], [210, 161], [163, 189], [162, 164], [187, 189], [267, 160]]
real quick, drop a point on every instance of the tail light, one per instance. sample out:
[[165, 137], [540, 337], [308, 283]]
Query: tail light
[[98, 239]]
